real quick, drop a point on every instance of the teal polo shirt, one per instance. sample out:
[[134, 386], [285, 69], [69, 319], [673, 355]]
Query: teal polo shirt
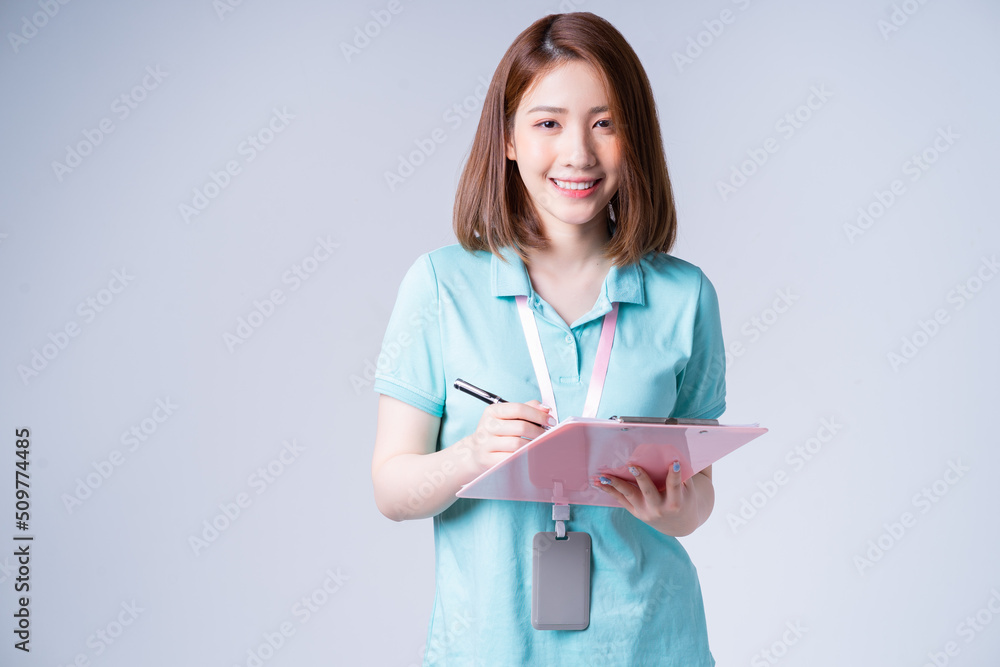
[[456, 317]]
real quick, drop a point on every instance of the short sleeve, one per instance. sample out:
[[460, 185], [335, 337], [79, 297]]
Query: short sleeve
[[701, 386], [410, 365]]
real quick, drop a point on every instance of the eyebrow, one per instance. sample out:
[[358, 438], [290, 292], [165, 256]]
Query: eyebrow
[[593, 110]]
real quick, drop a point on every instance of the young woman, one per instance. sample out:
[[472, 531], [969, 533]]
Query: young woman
[[565, 208]]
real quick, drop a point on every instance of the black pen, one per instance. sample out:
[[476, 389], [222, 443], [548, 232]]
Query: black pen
[[483, 395]]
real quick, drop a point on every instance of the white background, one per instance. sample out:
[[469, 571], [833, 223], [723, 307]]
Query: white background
[[303, 375]]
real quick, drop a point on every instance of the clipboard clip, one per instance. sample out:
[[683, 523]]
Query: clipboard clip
[[665, 420]]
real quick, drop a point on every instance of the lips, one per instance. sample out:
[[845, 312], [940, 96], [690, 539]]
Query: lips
[[576, 185], [576, 189]]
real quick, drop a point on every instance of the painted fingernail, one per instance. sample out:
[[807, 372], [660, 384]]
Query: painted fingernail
[[553, 422], [677, 466], [605, 480], [542, 406], [633, 470]]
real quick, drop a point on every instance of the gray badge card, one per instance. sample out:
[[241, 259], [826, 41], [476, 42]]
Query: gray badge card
[[560, 592]]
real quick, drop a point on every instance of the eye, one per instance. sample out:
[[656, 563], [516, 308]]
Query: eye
[[604, 124]]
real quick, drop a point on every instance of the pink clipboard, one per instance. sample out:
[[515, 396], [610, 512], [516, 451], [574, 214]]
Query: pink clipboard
[[558, 465]]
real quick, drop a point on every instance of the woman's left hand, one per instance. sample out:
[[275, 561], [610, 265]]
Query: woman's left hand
[[677, 510]]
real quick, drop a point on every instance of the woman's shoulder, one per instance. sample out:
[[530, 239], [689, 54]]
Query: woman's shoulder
[[454, 260], [455, 257], [661, 267], [450, 265], [672, 282]]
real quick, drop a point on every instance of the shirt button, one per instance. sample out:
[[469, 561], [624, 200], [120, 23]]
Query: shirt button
[[569, 339]]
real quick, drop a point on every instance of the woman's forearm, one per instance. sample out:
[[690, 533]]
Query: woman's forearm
[[418, 486]]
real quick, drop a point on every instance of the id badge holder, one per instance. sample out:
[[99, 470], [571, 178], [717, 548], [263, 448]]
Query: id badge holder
[[560, 582]]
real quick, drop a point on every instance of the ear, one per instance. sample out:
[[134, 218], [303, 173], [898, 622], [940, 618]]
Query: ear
[[511, 152]]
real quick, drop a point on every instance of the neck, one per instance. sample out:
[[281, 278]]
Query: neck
[[572, 248]]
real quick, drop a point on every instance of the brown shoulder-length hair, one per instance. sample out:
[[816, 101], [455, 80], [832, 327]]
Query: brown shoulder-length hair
[[492, 207]]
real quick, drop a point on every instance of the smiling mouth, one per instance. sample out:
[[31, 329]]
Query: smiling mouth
[[572, 185]]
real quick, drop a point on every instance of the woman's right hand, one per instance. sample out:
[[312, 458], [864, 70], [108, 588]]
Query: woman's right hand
[[503, 429]]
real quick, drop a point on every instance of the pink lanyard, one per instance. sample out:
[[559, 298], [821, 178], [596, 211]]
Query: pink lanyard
[[542, 372]]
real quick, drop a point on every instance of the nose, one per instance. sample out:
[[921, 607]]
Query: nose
[[577, 148]]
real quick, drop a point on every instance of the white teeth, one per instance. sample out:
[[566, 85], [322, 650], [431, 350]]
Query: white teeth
[[567, 185]]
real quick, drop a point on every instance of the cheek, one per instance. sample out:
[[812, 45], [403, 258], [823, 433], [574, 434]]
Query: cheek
[[610, 154], [532, 157]]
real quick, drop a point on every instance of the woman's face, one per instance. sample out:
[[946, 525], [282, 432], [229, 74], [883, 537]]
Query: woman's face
[[564, 139]]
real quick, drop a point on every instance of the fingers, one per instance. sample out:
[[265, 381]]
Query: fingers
[[546, 416], [646, 485], [496, 457], [674, 491], [504, 428], [519, 431], [514, 419], [614, 487], [669, 511], [674, 476], [542, 415], [647, 495], [533, 411]]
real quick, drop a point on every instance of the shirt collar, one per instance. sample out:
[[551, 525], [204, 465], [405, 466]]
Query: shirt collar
[[622, 284]]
